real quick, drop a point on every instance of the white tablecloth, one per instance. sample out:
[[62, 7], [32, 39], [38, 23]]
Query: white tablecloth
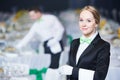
[[34, 61], [114, 69], [113, 73]]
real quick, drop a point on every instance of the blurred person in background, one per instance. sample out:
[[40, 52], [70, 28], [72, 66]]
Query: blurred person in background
[[49, 30], [89, 55]]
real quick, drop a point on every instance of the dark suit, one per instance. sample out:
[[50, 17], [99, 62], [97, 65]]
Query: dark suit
[[95, 57]]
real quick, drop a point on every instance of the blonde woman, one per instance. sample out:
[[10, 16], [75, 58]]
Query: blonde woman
[[89, 55]]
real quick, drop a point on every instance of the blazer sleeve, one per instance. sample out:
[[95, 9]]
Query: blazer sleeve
[[102, 64]]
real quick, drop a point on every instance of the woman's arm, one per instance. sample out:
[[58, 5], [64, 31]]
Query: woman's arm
[[103, 60]]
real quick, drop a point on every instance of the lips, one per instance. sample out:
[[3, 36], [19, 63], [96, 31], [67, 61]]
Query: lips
[[85, 28]]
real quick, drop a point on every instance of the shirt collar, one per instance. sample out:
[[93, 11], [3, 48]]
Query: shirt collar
[[92, 36], [40, 19]]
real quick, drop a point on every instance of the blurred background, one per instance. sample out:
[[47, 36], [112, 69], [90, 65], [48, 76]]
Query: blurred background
[[15, 23], [106, 7]]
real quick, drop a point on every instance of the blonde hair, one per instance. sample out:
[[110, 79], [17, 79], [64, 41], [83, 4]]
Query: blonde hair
[[94, 11]]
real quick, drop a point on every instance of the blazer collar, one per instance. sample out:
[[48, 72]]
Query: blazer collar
[[90, 47]]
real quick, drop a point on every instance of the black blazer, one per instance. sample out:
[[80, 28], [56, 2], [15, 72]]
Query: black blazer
[[95, 57]]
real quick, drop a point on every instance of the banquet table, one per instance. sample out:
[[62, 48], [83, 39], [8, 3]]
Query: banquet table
[[38, 61], [113, 73], [114, 68]]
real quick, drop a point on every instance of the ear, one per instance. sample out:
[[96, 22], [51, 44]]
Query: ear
[[96, 25]]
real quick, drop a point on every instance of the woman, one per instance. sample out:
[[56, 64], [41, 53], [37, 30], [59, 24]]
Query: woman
[[89, 55]]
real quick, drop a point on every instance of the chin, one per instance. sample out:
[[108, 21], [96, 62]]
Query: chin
[[85, 33]]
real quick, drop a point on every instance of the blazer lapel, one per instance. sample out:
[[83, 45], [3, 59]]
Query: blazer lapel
[[90, 47], [75, 49]]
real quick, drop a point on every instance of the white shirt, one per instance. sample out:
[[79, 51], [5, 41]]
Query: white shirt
[[83, 46], [47, 27]]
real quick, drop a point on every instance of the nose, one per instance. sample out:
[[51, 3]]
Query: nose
[[83, 24]]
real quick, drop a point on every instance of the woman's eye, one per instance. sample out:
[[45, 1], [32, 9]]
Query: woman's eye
[[81, 20], [89, 20]]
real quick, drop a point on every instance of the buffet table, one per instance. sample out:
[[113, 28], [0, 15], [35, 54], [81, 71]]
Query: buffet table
[[113, 73]]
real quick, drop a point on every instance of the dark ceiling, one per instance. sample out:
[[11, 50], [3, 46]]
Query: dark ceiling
[[47, 5]]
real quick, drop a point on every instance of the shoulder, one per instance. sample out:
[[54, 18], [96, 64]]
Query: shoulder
[[105, 43], [75, 41], [49, 15], [98, 41], [104, 47]]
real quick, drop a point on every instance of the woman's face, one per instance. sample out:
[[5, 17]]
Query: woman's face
[[87, 23]]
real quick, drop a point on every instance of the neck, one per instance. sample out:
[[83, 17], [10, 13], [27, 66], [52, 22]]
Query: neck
[[88, 35], [40, 15]]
